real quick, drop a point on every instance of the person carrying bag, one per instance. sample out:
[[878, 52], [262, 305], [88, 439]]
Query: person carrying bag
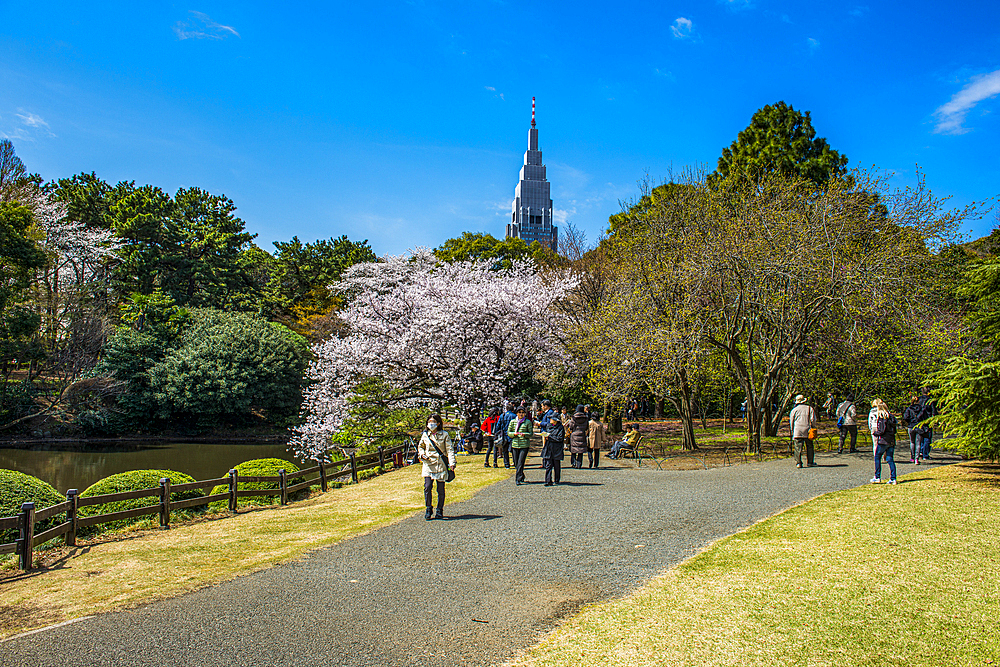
[[437, 453]]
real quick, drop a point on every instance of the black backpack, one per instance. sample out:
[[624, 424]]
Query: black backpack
[[885, 431]]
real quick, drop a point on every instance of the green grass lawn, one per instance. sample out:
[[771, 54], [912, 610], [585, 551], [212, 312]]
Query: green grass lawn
[[879, 575]]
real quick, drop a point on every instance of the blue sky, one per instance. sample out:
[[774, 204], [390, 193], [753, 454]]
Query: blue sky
[[404, 122]]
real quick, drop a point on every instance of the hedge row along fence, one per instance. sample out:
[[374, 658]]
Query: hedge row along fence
[[323, 473]]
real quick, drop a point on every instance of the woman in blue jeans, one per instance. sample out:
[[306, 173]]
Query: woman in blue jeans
[[882, 425]]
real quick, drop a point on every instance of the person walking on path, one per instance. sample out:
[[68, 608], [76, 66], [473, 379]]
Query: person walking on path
[[830, 405], [911, 415], [489, 435], [552, 451], [578, 437], [847, 423], [801, 421], [437, 453], [927, 409], [503, 439], [520, 430], [596, 437], [882, 424]]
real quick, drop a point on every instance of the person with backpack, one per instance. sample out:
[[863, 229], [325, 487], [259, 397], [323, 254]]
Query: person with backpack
[[437, 453], [847, 423], [500, 434], [802, 423], [883, 426]]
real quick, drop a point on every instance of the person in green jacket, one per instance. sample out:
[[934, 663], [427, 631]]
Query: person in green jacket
[[520, 431]]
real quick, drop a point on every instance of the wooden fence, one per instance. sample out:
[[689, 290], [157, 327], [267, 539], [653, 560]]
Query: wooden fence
[[322, 473]]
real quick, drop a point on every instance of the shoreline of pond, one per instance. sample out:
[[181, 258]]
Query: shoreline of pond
[[30, 443]]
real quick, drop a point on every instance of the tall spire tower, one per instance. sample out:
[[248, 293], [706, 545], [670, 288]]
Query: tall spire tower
[[531, 211]]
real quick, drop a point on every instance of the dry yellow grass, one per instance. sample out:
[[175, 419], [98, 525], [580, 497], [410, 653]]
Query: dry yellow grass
[[156, 564], [878, 575]]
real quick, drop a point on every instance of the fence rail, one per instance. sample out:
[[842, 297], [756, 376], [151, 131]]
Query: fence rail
[[322, 474]]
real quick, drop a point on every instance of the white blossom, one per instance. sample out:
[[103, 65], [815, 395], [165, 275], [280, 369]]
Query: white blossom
[[459, 333]]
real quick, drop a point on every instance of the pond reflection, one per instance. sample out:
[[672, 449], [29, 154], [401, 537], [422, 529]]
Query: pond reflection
[[69, 466]]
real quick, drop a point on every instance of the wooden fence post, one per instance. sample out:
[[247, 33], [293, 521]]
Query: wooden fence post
[[26, 536], [322, 477], [354, 469], [283, 485], [233, 484], [73, 496], [165, 502], [381, 458]]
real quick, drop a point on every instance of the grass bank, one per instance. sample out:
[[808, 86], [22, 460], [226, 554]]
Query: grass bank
[[878, 575], [143, 566]]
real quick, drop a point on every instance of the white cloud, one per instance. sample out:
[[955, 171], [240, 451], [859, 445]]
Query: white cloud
[[560, 216], [682, 28], [813, 44], [951, 115], [490, 88], [737, 4], [202, 27], [494, 90], [859, 11], [31, 120]]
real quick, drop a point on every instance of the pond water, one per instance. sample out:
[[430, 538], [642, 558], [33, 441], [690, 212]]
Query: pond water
[[77, 467]]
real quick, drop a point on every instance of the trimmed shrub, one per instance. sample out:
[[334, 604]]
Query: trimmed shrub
[[134, 480], [261, 468], [17, 488]]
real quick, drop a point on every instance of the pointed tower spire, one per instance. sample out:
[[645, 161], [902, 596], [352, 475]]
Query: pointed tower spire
[[531, 210], [532, 112]]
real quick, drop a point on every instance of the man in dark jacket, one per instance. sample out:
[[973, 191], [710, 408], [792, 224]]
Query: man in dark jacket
[[501, 436], [926, 408], [552, 451]]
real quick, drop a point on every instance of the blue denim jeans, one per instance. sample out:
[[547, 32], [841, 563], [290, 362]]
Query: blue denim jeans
[[925, 445], [888, 452]]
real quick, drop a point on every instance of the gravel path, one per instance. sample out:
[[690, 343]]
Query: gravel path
[[474, 589]]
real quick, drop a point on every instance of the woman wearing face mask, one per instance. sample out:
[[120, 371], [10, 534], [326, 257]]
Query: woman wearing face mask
[[438, 455]]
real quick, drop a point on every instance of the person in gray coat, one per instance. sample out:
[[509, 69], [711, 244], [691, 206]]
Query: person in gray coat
[[801, 420], [579, 437]]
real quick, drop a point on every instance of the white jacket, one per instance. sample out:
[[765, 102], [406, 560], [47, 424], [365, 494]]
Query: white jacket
[[434, 466]]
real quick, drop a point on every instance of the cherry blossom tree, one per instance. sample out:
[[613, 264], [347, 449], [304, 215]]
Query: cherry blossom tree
[[419, 331]]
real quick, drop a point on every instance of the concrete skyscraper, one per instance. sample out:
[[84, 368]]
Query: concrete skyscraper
[[531, 211]]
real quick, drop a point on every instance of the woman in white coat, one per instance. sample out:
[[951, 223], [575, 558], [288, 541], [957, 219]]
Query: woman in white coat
[[437, 453]]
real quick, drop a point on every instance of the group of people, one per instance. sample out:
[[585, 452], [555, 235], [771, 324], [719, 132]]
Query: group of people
[[882, 425], [508, 432]]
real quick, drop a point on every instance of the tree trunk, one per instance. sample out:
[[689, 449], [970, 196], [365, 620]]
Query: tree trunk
[[658, 411]]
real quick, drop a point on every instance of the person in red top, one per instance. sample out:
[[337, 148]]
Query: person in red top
[[491, 441]]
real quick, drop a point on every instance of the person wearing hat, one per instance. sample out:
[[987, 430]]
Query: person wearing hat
[[800, 422]]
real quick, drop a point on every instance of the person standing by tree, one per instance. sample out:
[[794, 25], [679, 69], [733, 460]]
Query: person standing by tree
[[552, 450], [437, 453], [596, 437], [520, 430], [847, 416], [500, 431], [831, 403], [911, 415], [492, 440], [883, 427], [927, 410], [801, 421], [578, 436]]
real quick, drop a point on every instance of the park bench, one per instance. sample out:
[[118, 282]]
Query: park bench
[[633, 450]]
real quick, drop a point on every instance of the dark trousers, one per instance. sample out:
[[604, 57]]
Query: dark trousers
[[844, 430], [520, 457], [503, 447], [576, 460], [799, 442], [593, 457], [552, 470], [428, 487], [492, 447]]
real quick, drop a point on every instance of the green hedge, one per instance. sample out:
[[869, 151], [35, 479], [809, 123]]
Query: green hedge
[[17, 488], [134, 480], [261, 468]]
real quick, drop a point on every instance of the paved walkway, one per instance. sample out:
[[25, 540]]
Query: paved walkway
[[472, 590]]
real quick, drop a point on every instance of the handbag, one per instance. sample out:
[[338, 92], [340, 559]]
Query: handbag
[[812, 434], [451, 473]]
